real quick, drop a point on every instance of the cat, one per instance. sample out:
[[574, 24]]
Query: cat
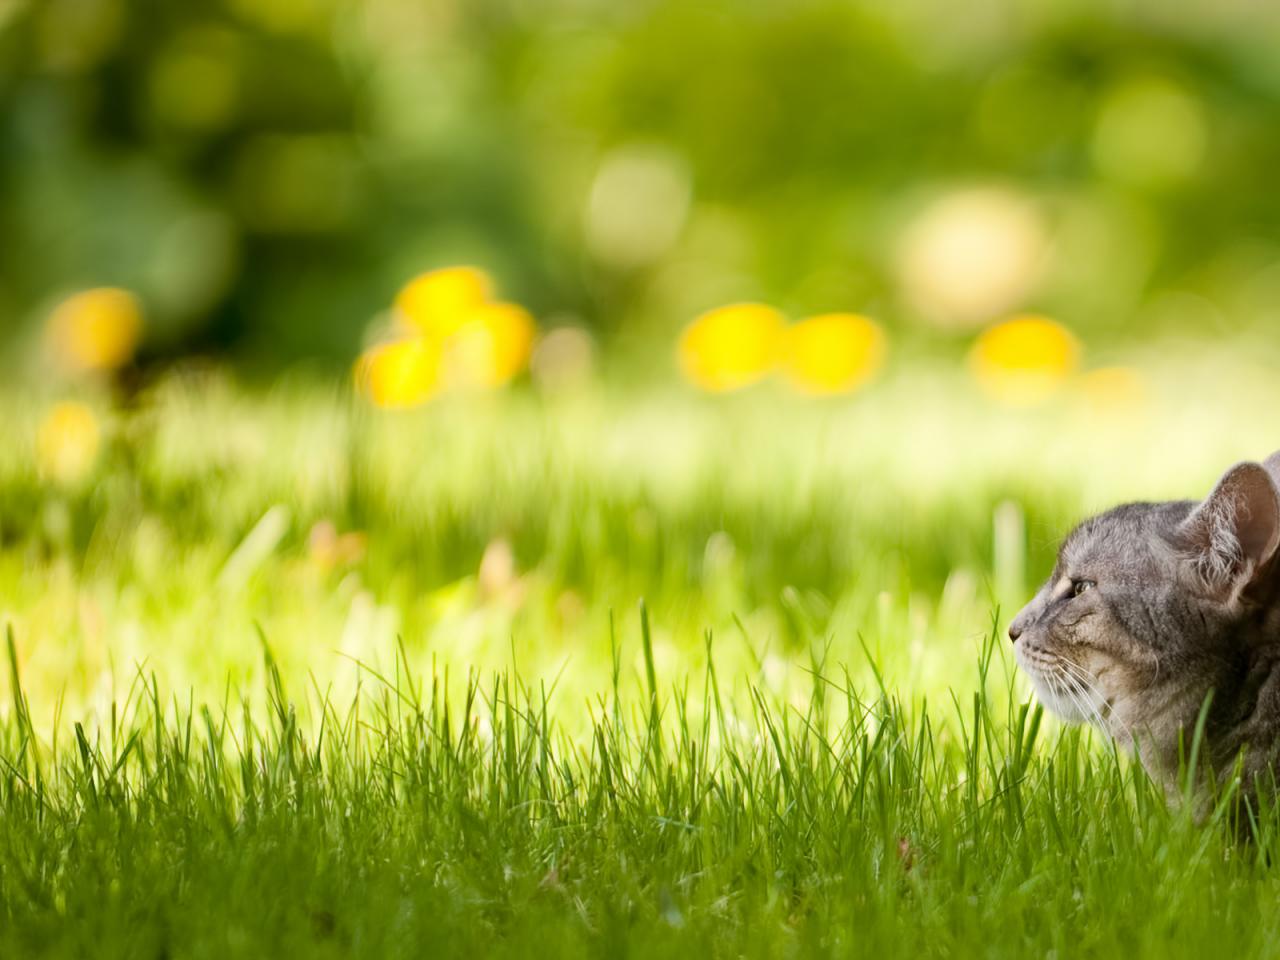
[[1154, 610]]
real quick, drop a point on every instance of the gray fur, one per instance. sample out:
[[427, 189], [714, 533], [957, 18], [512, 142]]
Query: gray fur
[[1186, 601]]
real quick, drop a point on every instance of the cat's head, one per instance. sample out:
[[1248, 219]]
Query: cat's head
[[1146, 606]]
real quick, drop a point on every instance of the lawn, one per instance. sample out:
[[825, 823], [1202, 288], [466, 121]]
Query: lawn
[[600, 672]]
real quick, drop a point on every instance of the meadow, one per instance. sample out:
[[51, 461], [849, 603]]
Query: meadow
[[602, 671], [483, 478]]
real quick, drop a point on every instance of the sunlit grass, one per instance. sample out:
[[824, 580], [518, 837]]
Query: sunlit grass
[[859, 822], [348, 683], [798, 517]]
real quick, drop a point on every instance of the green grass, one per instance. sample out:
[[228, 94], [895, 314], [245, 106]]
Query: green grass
[[810, 740], [410, 823]]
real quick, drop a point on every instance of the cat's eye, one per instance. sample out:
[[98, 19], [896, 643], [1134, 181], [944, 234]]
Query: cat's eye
[[1081, 586]]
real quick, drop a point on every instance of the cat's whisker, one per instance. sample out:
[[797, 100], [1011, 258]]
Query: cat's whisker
[[1066, 685], [1084, 703], [1086, 684], [1069, 668], [1080, 680], [1075, 667], [1083, 675], [1090, 690], [1089, 682]]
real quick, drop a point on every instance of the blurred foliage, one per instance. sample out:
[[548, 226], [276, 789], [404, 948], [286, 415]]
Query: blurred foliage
[[265, 174]]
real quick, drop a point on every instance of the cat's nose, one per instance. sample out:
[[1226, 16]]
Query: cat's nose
[[1015, 631]]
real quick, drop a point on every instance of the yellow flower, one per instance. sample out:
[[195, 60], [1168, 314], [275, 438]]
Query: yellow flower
[[491, 348], [440, 302], [67, 443], [833, 352], [96, 329], [402, 373], [730, 347], [456, 337], [1024, 361], [1114, 390]]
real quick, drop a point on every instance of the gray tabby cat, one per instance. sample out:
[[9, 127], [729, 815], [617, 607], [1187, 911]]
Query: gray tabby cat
[[1153, 605]]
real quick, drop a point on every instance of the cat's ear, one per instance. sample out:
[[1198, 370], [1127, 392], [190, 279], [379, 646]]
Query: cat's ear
[[1234, 533], [1272, 465]]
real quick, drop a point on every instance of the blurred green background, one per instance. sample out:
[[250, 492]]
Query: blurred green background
[[265, 174]]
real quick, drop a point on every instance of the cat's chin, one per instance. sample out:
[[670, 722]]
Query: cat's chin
[[1060, 706], [1073, 703], [1070, 707]]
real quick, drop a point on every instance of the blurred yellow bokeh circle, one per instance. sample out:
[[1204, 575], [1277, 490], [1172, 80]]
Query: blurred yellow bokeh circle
[[455, 336], [440, 302], [67, 443], [491, 348], [1024, 361], [96, 329], [833, 352], [731, 347], [399, 374]]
